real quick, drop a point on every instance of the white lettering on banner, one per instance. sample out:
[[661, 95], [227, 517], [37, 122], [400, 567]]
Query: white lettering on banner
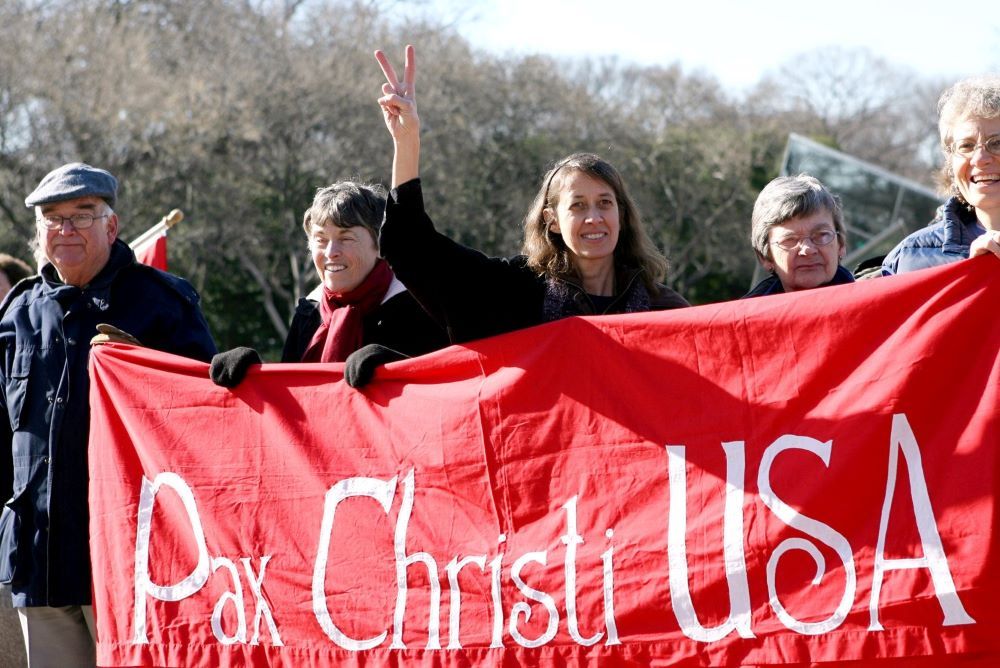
[[404, 561], [607, 571], [806, 525], [143, 585], [380, 490], [193, 583], [384, 492], [263, 607], [535, 598], [524, 609], [732, 546], [495, 566], [934, 559], [455, 601], [571, 539], [236, 597]]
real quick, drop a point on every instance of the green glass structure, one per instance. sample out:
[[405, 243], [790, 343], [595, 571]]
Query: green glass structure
[[880, 208]]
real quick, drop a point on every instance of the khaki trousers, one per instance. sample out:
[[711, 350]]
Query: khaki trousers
[[59, 637]]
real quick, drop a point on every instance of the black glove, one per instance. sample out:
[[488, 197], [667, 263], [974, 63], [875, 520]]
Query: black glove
[[361, 364], [230, 368]]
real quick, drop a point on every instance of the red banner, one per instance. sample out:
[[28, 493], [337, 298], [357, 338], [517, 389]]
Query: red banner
[[795, 479]]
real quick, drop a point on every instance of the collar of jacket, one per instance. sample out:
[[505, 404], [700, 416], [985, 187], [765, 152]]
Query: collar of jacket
[[98, 290], [311, 301], [961, 227], [566, 297], [772, 284], [624, 278]]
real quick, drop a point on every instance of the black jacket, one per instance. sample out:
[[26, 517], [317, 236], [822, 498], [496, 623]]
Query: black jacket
[[398, 323], [45, 333], [474, 296], [772, 284]]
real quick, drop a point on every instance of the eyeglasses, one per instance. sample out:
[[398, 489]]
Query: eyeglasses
[[79, 221], [817, 239], [967, 147]]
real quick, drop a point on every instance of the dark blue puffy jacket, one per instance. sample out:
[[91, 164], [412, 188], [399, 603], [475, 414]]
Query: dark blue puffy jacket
[[945, 240], [45, 333]]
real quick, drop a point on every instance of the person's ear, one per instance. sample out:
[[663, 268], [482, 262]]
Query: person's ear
[[767, 264], [112, 227], [551, 220]]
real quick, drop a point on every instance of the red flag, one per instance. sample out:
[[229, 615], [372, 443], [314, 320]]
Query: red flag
[[150, 247], [784, 480], [153, 251]]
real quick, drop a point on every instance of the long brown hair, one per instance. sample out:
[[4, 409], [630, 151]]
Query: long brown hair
[[547, 252]]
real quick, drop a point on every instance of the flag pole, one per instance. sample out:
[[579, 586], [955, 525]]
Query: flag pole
[[168, 221]]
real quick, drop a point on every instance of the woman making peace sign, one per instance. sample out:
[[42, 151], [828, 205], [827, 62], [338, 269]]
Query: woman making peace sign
[[585, 250]]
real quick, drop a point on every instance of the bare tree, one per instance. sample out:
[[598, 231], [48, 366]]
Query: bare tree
[[237, 111], [859, 103]]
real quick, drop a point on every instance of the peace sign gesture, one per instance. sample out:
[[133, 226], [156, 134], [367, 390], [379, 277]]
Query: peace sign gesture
[[398, 101]]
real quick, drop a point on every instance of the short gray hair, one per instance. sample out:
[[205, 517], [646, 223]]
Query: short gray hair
[[973, 97], [347, 204], [788, 197]]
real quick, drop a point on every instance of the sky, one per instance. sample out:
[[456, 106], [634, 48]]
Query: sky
[[738, 42]]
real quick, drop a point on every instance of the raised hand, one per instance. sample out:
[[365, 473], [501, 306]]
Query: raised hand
[[398, 101], [399, 109]]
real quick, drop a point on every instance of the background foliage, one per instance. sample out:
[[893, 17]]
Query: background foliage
[[236, 111]]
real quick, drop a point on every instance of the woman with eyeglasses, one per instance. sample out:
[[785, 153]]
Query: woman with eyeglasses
[[969, 222], [585, 249], [797, 231]]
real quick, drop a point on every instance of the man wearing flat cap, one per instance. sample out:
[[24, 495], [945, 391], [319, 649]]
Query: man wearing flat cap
[[89, 277]]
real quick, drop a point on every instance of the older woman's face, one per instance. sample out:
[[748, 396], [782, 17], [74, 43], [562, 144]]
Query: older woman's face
[[343, 256], [809, 263], [977, 173]]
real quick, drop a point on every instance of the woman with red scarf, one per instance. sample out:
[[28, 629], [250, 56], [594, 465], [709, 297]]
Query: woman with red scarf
[[359, 301]]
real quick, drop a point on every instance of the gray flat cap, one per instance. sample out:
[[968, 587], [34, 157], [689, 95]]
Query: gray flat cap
[[74, 180]]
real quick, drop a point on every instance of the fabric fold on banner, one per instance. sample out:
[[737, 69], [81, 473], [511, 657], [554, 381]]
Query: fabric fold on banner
[[799, 479]]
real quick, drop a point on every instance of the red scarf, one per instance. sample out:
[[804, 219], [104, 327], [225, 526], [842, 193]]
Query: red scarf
[[342, 329]]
